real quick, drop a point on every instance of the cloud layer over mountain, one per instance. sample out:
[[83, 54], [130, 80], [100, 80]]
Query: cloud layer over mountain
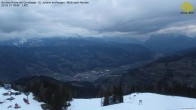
[[133, 18]]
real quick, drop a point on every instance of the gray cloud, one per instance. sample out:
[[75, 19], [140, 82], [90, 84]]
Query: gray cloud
[[133, 18]]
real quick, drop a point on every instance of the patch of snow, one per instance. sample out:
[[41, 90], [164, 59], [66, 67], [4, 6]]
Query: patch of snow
[[150, 101], [34, 105]]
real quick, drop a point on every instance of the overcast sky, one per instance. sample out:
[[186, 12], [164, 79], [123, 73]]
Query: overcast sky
[[124, 18]]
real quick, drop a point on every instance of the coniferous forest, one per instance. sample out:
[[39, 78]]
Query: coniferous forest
[[55, 94]]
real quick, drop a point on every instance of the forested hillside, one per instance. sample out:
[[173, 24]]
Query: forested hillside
[[169, 75]]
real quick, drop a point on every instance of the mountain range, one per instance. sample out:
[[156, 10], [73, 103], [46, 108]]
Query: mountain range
[[66, 57], [85, 58]]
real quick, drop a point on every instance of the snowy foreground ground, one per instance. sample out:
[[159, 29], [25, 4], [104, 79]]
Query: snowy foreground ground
[[150, 101], [34, 105]]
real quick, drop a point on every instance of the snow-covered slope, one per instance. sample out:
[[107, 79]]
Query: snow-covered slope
[[150, 101], [34, 105]]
